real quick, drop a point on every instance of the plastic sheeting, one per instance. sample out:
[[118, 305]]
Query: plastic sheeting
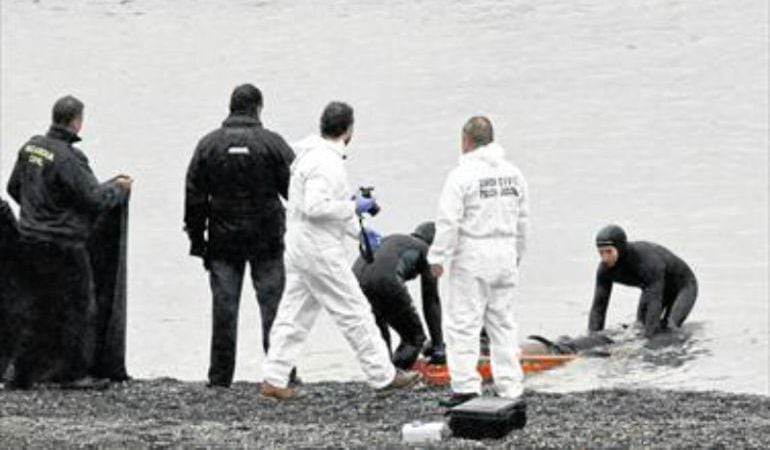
[[108, 253]]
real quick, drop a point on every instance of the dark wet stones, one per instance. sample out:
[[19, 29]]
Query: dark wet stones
[[168, 412]]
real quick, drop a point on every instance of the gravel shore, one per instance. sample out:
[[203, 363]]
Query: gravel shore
[[166, 412]]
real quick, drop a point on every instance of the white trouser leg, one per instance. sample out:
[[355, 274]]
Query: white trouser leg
[[295, 317], [337, 289], [504, 344], [463, 312]]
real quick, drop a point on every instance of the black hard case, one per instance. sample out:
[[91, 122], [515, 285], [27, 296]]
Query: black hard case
[[487, 417]]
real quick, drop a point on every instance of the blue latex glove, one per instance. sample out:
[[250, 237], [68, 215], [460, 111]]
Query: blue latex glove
[[363, 204], [374, 238]]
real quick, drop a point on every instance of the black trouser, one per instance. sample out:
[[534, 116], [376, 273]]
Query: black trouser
[[676, 311], [56, 312], [226, 279], [392, 306], [677, 304]]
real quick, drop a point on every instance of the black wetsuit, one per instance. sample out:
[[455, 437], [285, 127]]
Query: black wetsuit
[[401, 258], [669, 287], [234, 216]]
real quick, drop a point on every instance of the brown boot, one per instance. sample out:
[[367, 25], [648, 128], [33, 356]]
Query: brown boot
[[402, 380], [267, 390]]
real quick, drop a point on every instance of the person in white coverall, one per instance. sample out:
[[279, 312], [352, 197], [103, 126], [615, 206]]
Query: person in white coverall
[[320, 216], [481, 228]]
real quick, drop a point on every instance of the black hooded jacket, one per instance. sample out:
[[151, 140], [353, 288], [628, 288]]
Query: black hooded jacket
[[653, 268], [234, 182], [59, 195]]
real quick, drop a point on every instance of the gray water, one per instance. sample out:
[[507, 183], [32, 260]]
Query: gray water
[[650, 114]]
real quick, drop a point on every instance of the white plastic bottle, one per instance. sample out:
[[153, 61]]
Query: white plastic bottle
[[418, 432]]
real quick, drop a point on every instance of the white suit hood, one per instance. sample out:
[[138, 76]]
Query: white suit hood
[[492, 153], [315, 141]]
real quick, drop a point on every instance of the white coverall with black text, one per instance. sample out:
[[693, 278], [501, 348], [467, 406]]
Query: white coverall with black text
[[481, 228]]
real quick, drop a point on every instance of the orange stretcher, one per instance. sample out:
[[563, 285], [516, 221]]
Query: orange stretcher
[[439, 374]]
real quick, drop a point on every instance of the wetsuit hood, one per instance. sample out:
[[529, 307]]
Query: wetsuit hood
[[426, 231], [612, 235]]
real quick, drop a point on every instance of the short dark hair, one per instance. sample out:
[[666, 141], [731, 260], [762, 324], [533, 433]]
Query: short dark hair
[[336, 119], [65, 110], [479, 129], [245, 99]]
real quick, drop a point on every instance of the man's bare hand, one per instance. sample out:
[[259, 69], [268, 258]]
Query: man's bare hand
[[124, 182], [436, 270]]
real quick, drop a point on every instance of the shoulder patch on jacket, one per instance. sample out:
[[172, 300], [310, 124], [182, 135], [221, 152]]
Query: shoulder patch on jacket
[[38, 155]]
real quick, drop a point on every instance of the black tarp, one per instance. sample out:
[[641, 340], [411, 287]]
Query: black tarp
[[8, 236], [107, 249]]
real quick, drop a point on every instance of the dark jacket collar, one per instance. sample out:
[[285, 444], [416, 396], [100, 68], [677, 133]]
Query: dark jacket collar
[[241, 120], [63, 134]]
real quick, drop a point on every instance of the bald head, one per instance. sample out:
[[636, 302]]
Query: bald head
[[477, 132]]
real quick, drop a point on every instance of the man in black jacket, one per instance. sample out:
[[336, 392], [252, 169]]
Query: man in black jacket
[[398, 259], [669, 287], [60, 200], [233, 214]]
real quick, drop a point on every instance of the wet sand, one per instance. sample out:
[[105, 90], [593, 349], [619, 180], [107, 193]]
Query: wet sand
[[166, 412]]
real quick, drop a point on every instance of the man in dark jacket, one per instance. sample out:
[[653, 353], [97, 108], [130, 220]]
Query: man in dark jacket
[[669, 287], [233, 214], [60, 200], [398, 259]]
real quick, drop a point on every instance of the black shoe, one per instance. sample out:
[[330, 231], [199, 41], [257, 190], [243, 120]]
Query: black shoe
[[438, 355], [294, 379], [457, 399], [217, 384], [86, 383]]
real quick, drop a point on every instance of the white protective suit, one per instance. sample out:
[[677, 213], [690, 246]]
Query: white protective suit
[[320, 216], [482, 227]]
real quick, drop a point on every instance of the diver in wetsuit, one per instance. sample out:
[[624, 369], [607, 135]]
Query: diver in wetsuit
[[398, 259], [669, 287]]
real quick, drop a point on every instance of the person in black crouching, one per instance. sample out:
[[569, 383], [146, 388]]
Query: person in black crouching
[[398, 259]]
